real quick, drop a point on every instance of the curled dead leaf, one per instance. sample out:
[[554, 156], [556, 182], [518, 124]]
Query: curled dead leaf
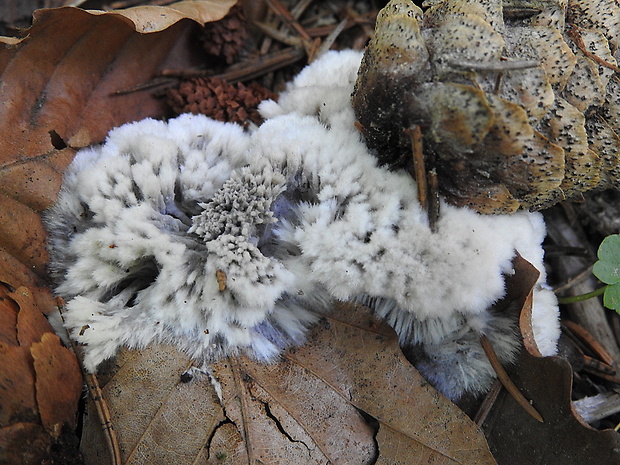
[[148, 18], [516, 438]]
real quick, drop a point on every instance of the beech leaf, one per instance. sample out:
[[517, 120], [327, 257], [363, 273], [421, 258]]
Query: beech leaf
[[31, 324], [347, 396], [17, 394], [59, 89], [58, 383], [40, 381], [148, 18]]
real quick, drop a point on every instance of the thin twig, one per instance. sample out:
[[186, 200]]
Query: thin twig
[[609, 378], [589, 340], [300, 8], [103, 413], [488, 402], [366, 21], [427, 182], [246, 70], [351, 20], [419, 170], [329, 40], [573, 33], [152, 84], [573, 281], [280, 10], [296, 13], [433, 199], [506, 381], [592, 365], [313, 50], [278, 35], [263, 65]]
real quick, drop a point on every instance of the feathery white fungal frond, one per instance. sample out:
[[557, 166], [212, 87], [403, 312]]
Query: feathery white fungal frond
[[199, 234]]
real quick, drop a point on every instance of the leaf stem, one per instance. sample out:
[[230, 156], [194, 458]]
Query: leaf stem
[[581, 297]]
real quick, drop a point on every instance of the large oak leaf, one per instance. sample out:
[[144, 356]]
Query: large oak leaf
[[347, 396]]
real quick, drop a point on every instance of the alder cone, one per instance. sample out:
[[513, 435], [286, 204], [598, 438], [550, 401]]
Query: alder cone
[[518, 101]]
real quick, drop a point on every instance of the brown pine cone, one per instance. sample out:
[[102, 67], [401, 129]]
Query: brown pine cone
[[224, 38], [219, 99], [518, 101]]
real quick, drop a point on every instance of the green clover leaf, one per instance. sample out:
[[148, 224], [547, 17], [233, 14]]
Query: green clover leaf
[[607, 269], [611, 298]]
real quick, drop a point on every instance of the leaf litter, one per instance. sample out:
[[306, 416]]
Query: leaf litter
[[70, 101], [58, 86], [40, 382]]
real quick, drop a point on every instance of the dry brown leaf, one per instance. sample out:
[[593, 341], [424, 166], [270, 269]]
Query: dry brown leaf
[[24, 443], [8, 317], [58, 89], [286, 413], [379, 381], [312, 407], [58, 383], [148, 18], [31, 324], [58, 86], [516, 438], [519, 294], [15, 274], [40, 383], [17, 398], [157, 418]]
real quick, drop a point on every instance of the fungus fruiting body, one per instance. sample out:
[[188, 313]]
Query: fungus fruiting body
[[222, 240]]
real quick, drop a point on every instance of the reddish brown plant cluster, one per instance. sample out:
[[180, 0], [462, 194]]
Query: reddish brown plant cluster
[[219, 99]]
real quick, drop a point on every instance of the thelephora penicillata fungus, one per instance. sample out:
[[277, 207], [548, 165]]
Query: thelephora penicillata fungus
[[295, 214]]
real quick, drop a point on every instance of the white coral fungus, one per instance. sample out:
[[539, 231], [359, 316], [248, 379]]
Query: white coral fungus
[[295, 213]]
